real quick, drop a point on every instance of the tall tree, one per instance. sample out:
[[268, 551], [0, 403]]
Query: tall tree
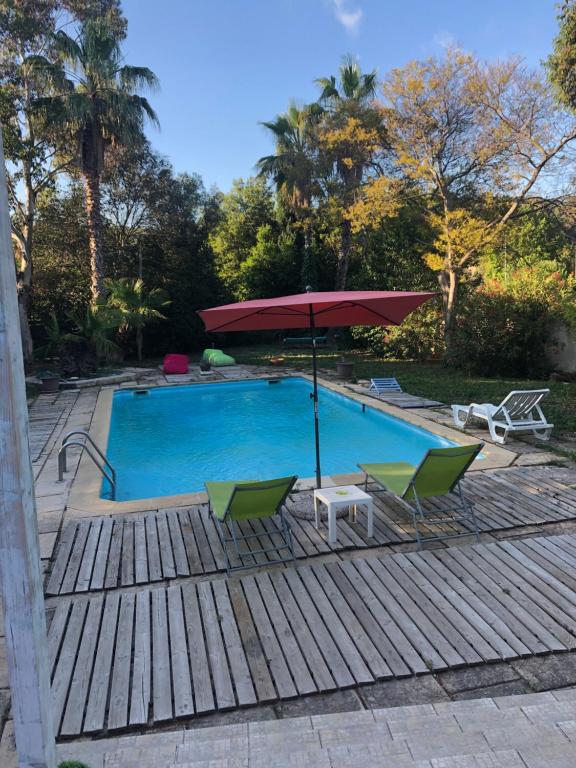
[[248, 207], [293, 169], [100, 108], [26, 27], [466, 133], [561, 63], [351, 138]]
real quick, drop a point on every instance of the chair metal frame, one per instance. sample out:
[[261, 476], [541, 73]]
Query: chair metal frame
[[284, 531], [464, 506]]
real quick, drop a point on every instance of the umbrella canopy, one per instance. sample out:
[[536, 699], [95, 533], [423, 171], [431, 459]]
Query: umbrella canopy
[[324, 309]]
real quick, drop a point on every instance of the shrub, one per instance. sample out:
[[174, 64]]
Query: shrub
[[504, 330], [420, 337]]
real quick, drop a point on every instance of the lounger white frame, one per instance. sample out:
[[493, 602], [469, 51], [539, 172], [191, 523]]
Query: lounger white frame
[[384, 386], [520, 411]]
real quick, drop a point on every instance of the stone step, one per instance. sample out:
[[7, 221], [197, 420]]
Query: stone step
[[528, 731]]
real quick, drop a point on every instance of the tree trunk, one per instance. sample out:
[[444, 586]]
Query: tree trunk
[[139, 343], [309, 276], [344, 255], [449, 282], [23, 309], [94, 215]]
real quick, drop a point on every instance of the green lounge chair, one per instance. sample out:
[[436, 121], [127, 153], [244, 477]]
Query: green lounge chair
[[233, 502], [438, 474]]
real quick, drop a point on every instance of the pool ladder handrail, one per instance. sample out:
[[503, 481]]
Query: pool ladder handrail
[[103, 465]]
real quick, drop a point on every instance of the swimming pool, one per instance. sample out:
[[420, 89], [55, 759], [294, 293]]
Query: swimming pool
[[170, 440]]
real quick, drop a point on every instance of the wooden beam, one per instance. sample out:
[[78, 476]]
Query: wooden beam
[[20, 574]]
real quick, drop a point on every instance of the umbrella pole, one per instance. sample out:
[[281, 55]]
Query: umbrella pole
[[315, 398]]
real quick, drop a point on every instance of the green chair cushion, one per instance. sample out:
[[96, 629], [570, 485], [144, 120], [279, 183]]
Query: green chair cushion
[[437, 474], [394, 475], [248, 499], [220, 494]]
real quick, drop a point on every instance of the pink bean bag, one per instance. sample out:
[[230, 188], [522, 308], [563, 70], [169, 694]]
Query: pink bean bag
[[176, 364]]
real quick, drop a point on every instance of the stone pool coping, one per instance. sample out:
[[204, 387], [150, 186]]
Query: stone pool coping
[[84, 499]]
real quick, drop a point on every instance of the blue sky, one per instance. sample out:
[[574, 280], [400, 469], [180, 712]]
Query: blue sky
[[225, 65]]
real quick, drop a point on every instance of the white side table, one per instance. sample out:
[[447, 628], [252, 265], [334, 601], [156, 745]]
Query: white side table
[[343, 496]]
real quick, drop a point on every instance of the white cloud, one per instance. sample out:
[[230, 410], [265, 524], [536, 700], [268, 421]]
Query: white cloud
[[445, 40], [350, 20]]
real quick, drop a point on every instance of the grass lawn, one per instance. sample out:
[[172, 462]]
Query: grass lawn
[[432, 380]]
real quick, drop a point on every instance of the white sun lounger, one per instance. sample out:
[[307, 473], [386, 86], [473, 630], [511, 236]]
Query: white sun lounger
[[384, 386], [520, 411]]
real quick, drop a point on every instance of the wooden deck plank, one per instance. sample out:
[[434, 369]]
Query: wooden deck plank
[[316, 662], [154, 563], [67, 660], [180, 559], [120, 683], [214, 541], [141, 671], [493, 595], [453, 646], [88, 558], [363, 615], [181, 678], [127, 562], [462, 614], [370, 653], [74, 713], [69, 580], [101, 559], [255, 657], [98, 695], [536, 600], [57, 631], [112, 571], [199, 666], [194, 561], [345, 643], [140, 552], [296, 661], [322, 636], [238, 664], [400, 610], [216, 652], [161, 677], [165, 544], [272, 650], [206, 556], [499, 633]]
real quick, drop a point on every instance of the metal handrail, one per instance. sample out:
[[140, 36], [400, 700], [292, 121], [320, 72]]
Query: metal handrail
[[104, 465]]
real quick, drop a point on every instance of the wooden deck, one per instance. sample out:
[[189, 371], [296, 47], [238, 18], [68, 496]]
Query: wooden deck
[[129, 658], [106, 553]]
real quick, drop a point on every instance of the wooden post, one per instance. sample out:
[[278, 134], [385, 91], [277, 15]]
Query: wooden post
[[20, 574]]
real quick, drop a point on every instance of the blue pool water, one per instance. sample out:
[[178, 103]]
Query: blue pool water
[[173, 439]]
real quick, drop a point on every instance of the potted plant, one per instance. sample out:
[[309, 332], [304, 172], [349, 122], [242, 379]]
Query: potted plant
[[50, 381], [344, 368]]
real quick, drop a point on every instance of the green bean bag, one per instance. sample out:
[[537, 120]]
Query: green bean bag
[[216, 357]]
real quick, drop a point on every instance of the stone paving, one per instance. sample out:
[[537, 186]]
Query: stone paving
[[530, 731]]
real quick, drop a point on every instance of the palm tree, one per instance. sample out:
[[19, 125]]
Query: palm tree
[[100, 107], [292, 166], [353, 85], [135, 306], [346, 98]]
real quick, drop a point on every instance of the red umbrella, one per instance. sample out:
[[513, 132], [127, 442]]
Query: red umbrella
[[325, 309]]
